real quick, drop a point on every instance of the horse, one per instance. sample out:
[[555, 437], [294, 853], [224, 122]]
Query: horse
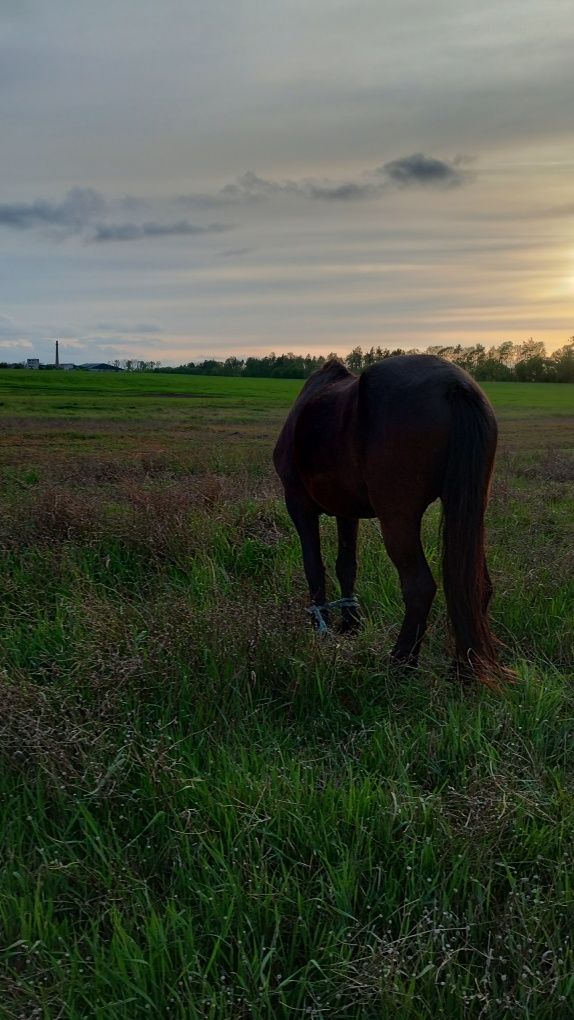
[[386, 444]]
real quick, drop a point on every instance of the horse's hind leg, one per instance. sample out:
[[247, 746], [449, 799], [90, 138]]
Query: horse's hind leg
[[346, 568], [306, 520], [488, 589], [403, 544]]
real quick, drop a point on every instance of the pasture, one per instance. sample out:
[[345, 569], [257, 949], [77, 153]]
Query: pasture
[[210, 813]]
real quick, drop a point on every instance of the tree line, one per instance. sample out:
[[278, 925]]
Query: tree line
[[507, 362]]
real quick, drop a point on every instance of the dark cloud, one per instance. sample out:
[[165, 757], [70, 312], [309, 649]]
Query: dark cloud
[[79, 208], [252, 187], [85, 212], [82, 212], [138, 231], [418, 169], [414, 170], [349, 191]]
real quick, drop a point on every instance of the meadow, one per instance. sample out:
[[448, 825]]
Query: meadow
[[208, 812]]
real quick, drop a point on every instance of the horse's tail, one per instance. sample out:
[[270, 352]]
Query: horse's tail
[[470, 459]]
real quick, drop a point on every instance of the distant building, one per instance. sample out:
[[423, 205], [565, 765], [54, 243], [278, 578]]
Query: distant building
[[66, 366], [99, 366], [32, 363]]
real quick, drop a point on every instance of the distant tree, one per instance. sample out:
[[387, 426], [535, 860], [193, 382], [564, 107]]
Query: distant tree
[[535, 369], [564, 361], [233, 366], [441, 352], [289, 366], [382, 353], [491, 369], [355, 360], [507, 353], [471, 358], [531, 349], [260, 367]]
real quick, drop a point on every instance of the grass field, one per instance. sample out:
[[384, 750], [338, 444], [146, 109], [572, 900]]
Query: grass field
[[208, 812]]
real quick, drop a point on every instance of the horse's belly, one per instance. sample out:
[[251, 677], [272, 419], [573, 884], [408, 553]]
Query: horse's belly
[[337, 500]]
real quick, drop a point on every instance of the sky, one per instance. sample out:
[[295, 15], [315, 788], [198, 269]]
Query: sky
[[184, 179]]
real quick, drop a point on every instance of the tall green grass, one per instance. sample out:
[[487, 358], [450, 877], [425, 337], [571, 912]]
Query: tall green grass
[[208, 812]]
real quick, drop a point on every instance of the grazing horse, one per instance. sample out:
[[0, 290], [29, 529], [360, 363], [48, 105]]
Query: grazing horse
[[386, 444]]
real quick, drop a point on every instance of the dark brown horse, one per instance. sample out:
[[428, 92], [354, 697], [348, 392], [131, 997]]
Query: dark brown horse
[[407, 431]]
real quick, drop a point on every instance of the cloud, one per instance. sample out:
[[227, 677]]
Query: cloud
[[17, 345], [137, 231], [83, 211], [348, 191], [86, 213], [79, 207], [250, 186], [418, 169], [414, 170]]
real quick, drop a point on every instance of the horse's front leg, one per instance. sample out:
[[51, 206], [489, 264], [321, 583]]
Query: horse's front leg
[[306, 520], [346, 567]]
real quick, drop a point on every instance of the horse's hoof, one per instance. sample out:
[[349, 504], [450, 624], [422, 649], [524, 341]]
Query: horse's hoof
[[350, 625]]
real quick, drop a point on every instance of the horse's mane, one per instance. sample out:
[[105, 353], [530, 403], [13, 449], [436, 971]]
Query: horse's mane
[[335, 369]]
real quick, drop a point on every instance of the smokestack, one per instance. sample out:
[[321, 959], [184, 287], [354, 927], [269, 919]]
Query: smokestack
[[57, 355]]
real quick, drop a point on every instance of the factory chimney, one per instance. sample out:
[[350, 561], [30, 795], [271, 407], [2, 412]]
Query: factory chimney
[[57, 362]]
